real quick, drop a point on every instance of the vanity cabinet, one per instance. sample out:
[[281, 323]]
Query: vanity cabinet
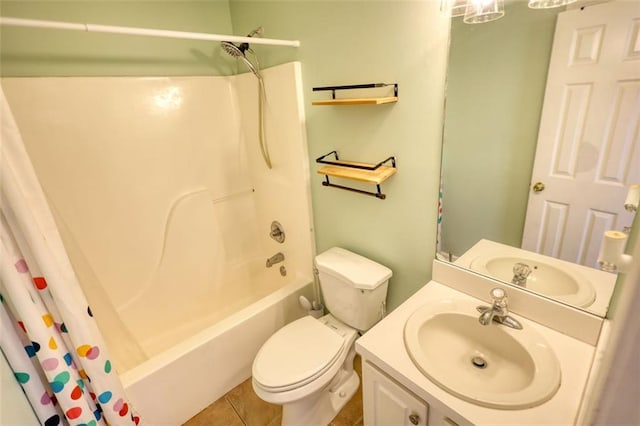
[[398, 393], [388, 403]]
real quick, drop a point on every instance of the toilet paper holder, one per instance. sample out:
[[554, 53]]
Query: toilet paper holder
[[612, 257]]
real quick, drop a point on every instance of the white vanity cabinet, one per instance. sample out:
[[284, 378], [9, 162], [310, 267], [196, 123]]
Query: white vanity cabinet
[[388, 403], [397, 393]]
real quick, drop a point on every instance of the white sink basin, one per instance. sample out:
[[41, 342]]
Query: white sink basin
[[548, 276], [493, 366]]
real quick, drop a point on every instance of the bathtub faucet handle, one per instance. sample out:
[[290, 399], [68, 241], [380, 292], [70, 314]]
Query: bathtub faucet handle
[[277, 232]]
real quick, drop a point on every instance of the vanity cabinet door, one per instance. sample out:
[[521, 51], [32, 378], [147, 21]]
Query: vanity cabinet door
[[387, 403]]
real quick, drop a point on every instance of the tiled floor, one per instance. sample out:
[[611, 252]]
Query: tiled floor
[[242, 407]]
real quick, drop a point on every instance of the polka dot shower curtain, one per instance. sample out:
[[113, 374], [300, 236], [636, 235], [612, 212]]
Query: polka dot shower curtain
[[47, 331]]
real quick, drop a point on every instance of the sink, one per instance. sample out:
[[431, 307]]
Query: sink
[[492, 366], [548, 276]]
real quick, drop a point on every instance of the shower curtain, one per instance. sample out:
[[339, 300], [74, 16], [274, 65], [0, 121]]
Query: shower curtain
[[47, 331]]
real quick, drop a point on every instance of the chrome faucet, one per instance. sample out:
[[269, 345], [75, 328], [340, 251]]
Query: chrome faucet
[[276, 258], [520, 273], [498, 311]]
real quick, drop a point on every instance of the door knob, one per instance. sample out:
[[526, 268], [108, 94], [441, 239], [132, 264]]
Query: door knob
[[414, 419], [538, 187]]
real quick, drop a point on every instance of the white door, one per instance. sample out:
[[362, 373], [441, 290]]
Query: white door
[[588, 150]]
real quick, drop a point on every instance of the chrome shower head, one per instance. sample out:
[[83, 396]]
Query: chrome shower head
[[232, 49], [238, 52]]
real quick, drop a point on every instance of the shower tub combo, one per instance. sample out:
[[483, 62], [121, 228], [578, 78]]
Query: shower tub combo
[[165, 205]]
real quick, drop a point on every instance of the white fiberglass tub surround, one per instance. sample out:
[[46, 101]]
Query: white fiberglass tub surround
[[165, 205]]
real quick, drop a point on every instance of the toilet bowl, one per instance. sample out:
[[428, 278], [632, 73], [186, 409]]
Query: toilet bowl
[[307, 366]]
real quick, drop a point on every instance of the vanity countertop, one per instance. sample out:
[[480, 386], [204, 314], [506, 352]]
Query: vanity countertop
[[384, 346]]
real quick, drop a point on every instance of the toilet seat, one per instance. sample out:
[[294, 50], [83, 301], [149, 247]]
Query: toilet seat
[[298, 354]]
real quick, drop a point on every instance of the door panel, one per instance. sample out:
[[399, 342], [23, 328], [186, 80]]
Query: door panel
[[588, 150]]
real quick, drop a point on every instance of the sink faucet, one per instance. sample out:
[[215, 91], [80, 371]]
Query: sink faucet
[[498, 311], [276, 258], [520, 273]]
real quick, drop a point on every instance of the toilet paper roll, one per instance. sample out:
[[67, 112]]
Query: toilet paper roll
[[612, 247], [633, 198]]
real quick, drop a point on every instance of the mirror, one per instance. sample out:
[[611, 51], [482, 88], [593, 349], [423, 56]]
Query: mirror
[[496, 84]]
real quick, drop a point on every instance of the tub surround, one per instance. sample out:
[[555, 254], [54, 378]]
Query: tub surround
[[383, 350], [165, 205]]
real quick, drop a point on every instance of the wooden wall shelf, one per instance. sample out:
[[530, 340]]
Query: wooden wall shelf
[[361, 172], [357, 101]]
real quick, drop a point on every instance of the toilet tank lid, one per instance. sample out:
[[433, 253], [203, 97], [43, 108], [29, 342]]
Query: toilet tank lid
[[363, 273]]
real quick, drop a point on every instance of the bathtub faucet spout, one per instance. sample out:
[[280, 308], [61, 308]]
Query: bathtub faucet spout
[[276, 258]]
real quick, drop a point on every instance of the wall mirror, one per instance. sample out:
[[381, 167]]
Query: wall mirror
[[541, 144]]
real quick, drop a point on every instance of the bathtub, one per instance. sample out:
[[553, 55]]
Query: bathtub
[[176, 384], [171, 249]]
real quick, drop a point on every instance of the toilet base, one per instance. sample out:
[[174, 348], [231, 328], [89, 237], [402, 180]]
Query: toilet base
[[321, 408]]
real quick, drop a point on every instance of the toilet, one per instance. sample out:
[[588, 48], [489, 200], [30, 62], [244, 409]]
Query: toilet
[[307, 366]]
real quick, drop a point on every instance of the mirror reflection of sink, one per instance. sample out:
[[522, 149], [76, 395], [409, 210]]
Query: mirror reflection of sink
[[493, 366], [548, 276]]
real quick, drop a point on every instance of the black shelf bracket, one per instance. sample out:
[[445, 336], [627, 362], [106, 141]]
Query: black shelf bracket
[[356, 86], [322, 160], [378, 193]]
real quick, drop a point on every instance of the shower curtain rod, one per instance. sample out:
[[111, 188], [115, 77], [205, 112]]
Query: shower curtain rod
[[35, 23]]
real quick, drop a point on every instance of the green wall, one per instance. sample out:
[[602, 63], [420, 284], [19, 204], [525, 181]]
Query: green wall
[[46, 52], [352, 42], [495, 88], [343, 42]]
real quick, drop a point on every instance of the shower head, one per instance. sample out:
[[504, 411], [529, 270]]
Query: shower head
[[238, 52], [233, 50]]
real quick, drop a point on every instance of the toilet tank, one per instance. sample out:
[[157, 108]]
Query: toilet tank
[[354, 287]]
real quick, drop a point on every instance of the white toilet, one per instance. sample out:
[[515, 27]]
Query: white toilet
[[307, 366]]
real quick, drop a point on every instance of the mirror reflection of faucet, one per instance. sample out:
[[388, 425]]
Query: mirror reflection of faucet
[[521, 272]]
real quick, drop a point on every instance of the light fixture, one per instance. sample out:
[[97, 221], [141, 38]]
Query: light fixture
[[454, 7], [548, 4], [481, 11]]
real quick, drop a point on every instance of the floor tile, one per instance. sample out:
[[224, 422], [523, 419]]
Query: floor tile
[[252, 410], [242, 407], [220, 413]]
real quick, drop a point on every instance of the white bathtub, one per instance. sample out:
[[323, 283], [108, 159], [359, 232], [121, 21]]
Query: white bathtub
[[170, 241], [173, 386]]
